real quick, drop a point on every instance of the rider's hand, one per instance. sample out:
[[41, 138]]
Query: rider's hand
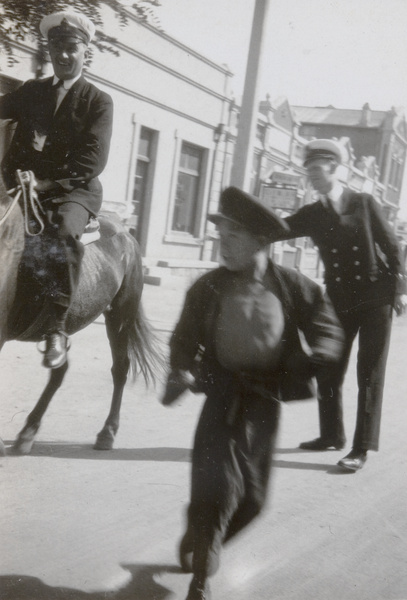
[[400, 304], [43, 185]]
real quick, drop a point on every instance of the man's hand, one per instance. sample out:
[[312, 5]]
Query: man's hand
[[44, 185], [400, 304]]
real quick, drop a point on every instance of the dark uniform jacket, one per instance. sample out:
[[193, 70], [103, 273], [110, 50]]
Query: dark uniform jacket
[[77, 143], [304, 309], [359, 250]]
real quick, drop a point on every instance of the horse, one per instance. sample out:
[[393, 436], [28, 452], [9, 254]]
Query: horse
[[111, 283]]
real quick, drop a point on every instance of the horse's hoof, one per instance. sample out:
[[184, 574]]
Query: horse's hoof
[[104, 441], [22, 447], [103, 446], [25, 441]]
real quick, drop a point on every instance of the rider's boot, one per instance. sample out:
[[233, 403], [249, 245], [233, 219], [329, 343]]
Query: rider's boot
[[56, 341]]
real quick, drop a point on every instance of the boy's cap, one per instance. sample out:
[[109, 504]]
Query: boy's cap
[[249, 212], [322, 148], [65, 24]]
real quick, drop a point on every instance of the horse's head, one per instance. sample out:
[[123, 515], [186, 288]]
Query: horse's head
[[11, 218], [25, 199], [12, 242], [11, 250], [4, 197]]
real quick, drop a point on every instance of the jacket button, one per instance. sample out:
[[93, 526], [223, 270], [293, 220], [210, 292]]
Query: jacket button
[[337, 279], [358, 277], [355, 248], [336, 265], [357, 263], [334, 250]]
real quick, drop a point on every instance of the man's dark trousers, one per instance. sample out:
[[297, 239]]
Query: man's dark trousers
[[374, 328], [65, 226]]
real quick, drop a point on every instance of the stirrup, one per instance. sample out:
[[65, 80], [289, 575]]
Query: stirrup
[[46, 335], [92, 232], [92, 225]]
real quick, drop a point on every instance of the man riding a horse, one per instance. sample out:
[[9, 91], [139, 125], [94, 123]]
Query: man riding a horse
[[64, 126]]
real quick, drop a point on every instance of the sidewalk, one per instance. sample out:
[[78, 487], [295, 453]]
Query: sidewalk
[[163, 303]]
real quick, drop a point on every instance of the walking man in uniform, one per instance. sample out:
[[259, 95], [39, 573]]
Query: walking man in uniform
[[364, 281], [64, 126], [242, 320]]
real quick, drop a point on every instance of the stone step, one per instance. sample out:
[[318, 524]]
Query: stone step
[[163, 270]]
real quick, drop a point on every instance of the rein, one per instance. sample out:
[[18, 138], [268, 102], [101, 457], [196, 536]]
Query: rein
[[30, 202]]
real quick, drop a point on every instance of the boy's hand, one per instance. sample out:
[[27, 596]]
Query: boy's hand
[[400, 304], [177, 383]]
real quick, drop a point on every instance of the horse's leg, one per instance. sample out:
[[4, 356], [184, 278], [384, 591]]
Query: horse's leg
[[118, 339], [25, 439]]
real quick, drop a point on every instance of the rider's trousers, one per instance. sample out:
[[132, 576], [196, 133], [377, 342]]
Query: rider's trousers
[[66, 224]]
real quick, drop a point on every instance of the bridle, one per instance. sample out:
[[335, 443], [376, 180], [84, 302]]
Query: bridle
[[25, 188]]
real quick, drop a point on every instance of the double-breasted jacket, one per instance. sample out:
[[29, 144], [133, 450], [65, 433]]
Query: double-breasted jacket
[[360, 252]]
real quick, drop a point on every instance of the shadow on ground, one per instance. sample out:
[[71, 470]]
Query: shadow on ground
[[330, 468], [86, 452], [164, 454], [142, 586], [301, 466]]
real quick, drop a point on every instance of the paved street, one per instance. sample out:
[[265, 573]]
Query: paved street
[[78, 524]]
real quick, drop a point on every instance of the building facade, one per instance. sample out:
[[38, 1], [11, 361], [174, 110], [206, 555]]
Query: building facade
[[175, 129], [376, 145], [378, 140], [170, 104]]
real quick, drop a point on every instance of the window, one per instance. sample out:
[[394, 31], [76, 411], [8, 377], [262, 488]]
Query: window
[[142, 175], [396, 166], [383, 162], [255, 174], [395, 172], [260, 133], [188, 189]]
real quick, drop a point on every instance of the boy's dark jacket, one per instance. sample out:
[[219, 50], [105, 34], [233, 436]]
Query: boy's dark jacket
[[305, 309]]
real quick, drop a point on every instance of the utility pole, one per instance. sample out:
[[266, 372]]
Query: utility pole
[[242, 161]]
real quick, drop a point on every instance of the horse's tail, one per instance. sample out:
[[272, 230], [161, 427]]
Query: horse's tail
[[144, 348]]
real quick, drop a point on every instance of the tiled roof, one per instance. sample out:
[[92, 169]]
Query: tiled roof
[[336, 116]]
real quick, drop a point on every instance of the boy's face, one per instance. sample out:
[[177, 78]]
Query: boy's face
[[321, 174], [68, 56], [238, 246]]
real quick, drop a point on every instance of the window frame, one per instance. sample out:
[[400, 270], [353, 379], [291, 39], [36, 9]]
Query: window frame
[[194, 233]]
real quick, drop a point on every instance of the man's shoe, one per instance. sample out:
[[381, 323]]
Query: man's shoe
[[321, 444], [56, 349], [198, 591], [354, 461]]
